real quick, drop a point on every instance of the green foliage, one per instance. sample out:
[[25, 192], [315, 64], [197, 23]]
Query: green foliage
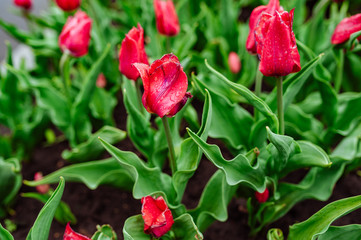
[[319, 222]]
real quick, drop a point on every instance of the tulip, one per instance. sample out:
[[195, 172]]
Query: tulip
[[41, 188], [26, 4], [132, 51], [276, 44], [157, 217], [165, 85], [273, 5], [346, 28], [166, 17], [68, 5], [101, 81], [234, 62], [262, 197], [69, 234], [75, 36]]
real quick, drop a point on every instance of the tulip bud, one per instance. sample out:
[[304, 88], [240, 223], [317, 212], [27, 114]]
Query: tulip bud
[[262, 197], [234, 62], [346, 28], [101, 81], [69, 234], [68, 5], [26, 4], [75, 35], [41, 188], [166, 17], [157, 217], [273, 5], [132, 51], [165, 85], [276, 44]]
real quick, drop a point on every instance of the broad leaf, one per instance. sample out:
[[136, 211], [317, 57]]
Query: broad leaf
[[4, 234], [238, 170], [251, 97], [214, 201], [42, 224], [344, 232], [320, 221], [92, 148], [134, 229], [92, 174], [104, 232]]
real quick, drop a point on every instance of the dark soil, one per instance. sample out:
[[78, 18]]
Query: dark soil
[[107, 205]]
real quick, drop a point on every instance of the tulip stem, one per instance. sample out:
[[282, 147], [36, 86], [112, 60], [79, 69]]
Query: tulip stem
[[65, 74], [340, 66], [257, 90], [169, 49], [139, 95], [280, 105], [168, 135]]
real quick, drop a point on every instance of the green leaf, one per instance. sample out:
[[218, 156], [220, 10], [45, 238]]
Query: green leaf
[[42, 224], [92, 148], [92, 174], [102, 105], [147, 181], [134, 229], [238, 170], [317, 184], [320, 221], [344, 232], [10, 178], [14, 31], [214, 201], [104, 232], [63, 213], [275, 234], [226, 119], [184, 228], [4, 234], [190, 155], [250, 97], [285, 145]]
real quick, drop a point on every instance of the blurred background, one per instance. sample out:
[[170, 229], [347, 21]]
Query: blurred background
[[10, 13]]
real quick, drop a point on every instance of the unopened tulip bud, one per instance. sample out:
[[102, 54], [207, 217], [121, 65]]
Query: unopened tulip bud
[[41, 188], [234, 62], [165, 85], [276, 44], [101, 81], [262, 197], [68, 5], [26, 4], [346, 28], [157, 217], [70, 234], [132, 51], [273, 5], [166, 17], [75, 35]]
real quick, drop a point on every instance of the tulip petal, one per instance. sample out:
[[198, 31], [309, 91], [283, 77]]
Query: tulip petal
[[69, 234], [345, 28], [166, 17]]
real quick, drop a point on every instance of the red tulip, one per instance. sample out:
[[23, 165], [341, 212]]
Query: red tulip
[[157, 217], [101, 81], [69, 234], [68, 5], [41, 188], [75, 35], [273, 5], [166, 17], [276, 44], [262, 197], [165, 85], [132, 51], [26, 4], [234, 62], [345, 28]]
